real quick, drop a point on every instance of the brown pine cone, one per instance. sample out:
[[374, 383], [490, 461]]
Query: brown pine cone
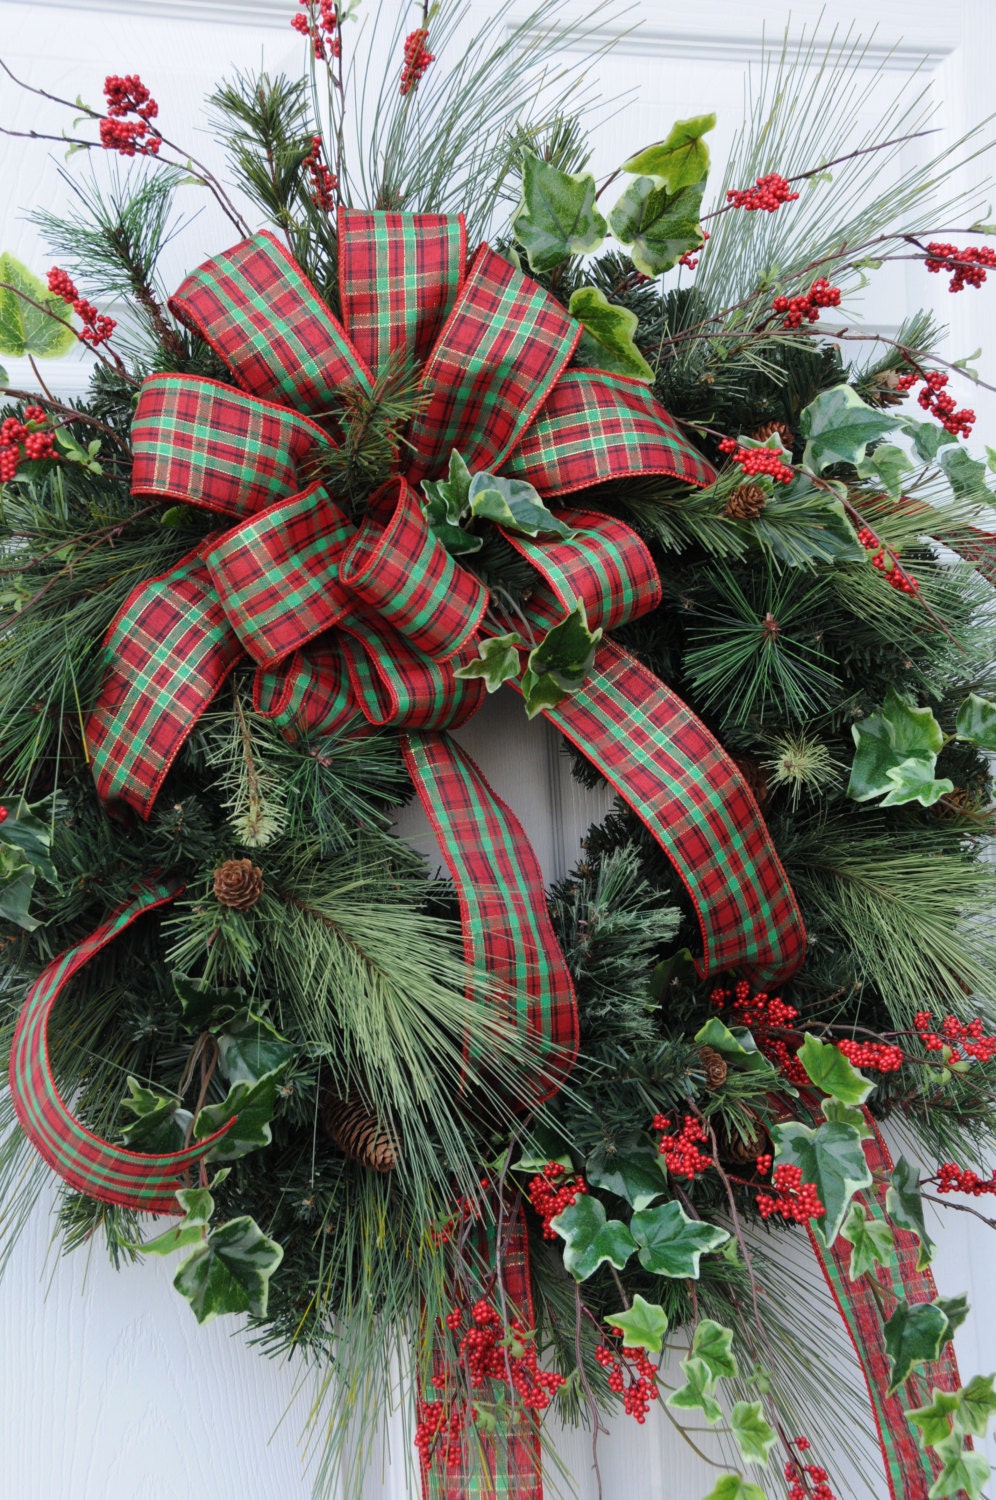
[[238, 883], [736, 1150], [358, 1133], [766, 429], [714, 1066], [745, 503], [884, 389]]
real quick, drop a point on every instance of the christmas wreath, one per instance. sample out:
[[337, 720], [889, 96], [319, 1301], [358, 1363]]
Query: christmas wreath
[[321, 500]]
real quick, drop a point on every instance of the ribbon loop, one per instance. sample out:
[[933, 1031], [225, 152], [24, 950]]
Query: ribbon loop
[[310, 695], [398, 567], [605, 564], [396, 684]]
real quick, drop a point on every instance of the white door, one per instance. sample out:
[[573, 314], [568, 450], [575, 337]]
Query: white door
[[108, 1390]]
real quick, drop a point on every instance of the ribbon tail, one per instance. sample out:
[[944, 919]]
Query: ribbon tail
[[93, 1166], [910, 1471], [680, 782]]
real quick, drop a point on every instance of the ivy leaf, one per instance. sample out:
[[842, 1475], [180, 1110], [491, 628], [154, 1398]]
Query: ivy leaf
[[732, 1487], [887, 464], [872, 1241], [658, 227], [608, 342], [887, 741], [204, 1005], [672, 1244], [832, 1158], [831, 1071], [250, 1050], [633, 1170], [4, 379], [544, 1145], [934, 1421], [23, 829], [198, 1206], [498, 661], [17, 884], [976, 1404], [558, 215], [976, 722], [966, 475], [915, 1334], [838, 427], [252, 1104], [567, 651], [754, 1434], [590, 1238], [696, 1393], [155, 1127], [643, 1326], [230, 1271], [681, 159], [914, 781], [514, 504], [540, 691], [964, 1472], [928, 437], [447, 504], [955, 1309], [43, 330], [713, 1344], [904, 1205], [845, 1115], [737, 1046]]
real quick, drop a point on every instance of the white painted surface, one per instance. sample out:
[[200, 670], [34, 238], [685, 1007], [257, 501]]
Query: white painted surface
[[108, 1389]]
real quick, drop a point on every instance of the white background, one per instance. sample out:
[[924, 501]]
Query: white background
[[108, 1391]]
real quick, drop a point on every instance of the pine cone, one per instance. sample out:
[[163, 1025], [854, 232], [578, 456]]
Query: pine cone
[[884, 390], [766, 430], [733, 1149], [714, 1065], [238, 883], [746, 502], [358, 1133]]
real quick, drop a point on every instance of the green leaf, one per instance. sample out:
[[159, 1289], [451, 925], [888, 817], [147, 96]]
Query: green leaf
[[832, 1158], [928, 437], [230, 1272], [672, 1244], [540, 692], [203, 1005], [934, 1421], [198, 1206], [590, 1238], [915, 1334], [681, 159], [696, 1393], [498, 661], [737, 1046], [966, 475], [976, 722], [732, 1487], [955, 1309], [558, 215], [17, 884], [643, 1326], [964, 1472], [838, 427], [657, 226], [914, 781], [844, 1114], [904, 1205], [632, 1170], [830, 1070], [976, 1404], [872, 1241], [4, 379], [252, 1103], [45, 330], [250, 1050], [567, 651], [24, 830], [754, 1434], [544, 1145], [889, 741], [514, 504], [713, 1344], [449, 499], [608, 342], [155, 1127], [887, 464]]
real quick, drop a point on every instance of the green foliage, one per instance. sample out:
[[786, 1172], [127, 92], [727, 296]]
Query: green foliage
[[561, 661], [831, 1071], [963, 1472], [591, 1238], [754, 1434], [156, 1126], [658, 226], [33, 320], [832, 1158], [976, 722], [904, 1205], [732, 1487], [230, 1272], [632, 1169], [896, 753], [696, 1393], [515, 504], [872, 1241], [672, 1244], [609, 341], [498, 660], [679, 160], [914, 1334], [643, 1326], [838, 426], [557, 217]]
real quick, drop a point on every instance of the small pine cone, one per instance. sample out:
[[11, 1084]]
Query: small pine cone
[[358, 1133], [745, 503], [238, 883], [714, 1066], [767, 429], [884, 390], [734, 1149]]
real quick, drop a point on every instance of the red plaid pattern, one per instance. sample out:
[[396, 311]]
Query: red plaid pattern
[[310, 695], [606, 565], [679, 781], [595, 427], [205, 444], [398, 278], [401, 569], [261, 315], [132, 1179], [277, 575], [396, 684], [502, 350]]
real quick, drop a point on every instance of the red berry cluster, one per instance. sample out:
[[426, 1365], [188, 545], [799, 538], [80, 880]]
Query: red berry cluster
[[681, 1150], [799, 310], [964, 1038], [968, 266], [417, 59], [33, 436], [97, 328], [954, 1179], [884, 560], [323, 32], [129, 96], [935, 400], [806, 1481], [755, 461], [323, 182], [797, 1200], [552, 1192], [768, 193], [440, 1429], [689, 260], [762, 1013], [634, 1378], [879, 1055]]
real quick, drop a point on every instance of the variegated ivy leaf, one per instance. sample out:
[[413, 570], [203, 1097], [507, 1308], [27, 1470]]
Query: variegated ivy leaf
[[514, 504], [540, 691], [642, 1326], [831, 1071], [497, 661], [871, 1240], [250, 1049], [17, 884], [198, 1207], [252, 1105], [633, 1169], [838, 427], [934, 1421], [156, 1126], [32, 319], [831, 1157], [713, 1343], [904, 1205], [591, 1238], [846, 1114], [608, 342], [732, 1487], [567, 651], [914, 1334], [976, 722], [963, 1472], [896, 754], [229, 1272], [737, 1046], [754, 1434], [448, 504], [887, 464], [696, 1393], [672, 1244], [679, 160], [966, 475], [658, 227], [204, 1006], [558, 215], [23, 829], [928, 437]]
